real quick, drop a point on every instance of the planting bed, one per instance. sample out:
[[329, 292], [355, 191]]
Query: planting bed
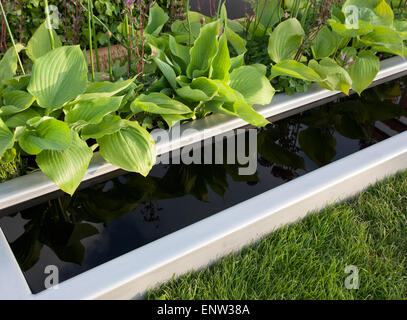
[[127, 212]]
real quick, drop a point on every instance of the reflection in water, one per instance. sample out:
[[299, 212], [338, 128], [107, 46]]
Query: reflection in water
[[112, 218]]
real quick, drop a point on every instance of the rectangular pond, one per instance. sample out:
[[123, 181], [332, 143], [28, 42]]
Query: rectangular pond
[[126, 212]]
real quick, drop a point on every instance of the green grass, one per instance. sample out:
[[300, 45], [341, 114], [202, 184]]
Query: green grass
[[307, 260]]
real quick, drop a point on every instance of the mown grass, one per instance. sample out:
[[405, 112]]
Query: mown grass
[[307, 260]]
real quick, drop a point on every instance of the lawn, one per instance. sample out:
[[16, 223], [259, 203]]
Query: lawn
[[307, 260]]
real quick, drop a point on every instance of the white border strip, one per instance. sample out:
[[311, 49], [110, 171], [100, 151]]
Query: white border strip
[[35, 185]]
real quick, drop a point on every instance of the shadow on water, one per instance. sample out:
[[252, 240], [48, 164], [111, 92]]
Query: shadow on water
[[112, 218]]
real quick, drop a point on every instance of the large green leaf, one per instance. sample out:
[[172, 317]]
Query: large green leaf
[[179, 52], [268, 13], [294, 69], [351, 30], [6, 138], [325, 44], [200, 89], [235, 41], [15, 101], [132, 148], [252, 84], [376, 12], [157, 18], [203, 51], [385, 39], [109, 125], [8, 64], [40, 42], [285, 40], [45, 134], [58, 76], [334, 76], [92, 111], [221, 62], [239, 109], [158, 103], [66, 168], [21, 118], [401, 27], [108, 89], [167, 71], [364, 70]]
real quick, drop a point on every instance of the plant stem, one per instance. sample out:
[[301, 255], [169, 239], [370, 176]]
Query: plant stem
[[11, 36], [49, 27], [109, 53], [189, 23], [90, 38], [95, 44]]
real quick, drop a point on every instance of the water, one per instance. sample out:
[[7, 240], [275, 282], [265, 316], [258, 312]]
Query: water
[[112, 218]]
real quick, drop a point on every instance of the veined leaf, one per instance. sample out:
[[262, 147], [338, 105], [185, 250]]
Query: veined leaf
[[376, 12], [109, 125], [20, 119], [235, 41], [385, 39], [8, 64], [335, 77], [132, 148], [40, 42], [66, 168], [92, 111], [221, 62], [45, 134], [239, 109], [6, 138], [401, 27], [158, 103], [268, 13], [203, 51], [294, 69], [351, 30], [157, 18], [285, 40], [172, 119], [325, 44], [108, 89], [15, 102], [179, 51], [200, 89], [364, 71], [167, 71], [58, 76], [252, 84]]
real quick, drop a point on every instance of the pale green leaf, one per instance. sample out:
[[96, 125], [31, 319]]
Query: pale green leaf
[[157, 18], [40, 42], [294, 69], [6, 138], [364, 70]]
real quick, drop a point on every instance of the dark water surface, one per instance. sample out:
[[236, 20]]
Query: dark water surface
[[112, 218]]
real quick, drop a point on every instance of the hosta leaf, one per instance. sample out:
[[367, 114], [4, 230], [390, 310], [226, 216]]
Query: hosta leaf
[[401, 27], [167, 71], [235, 41], [239, 109], [108, 89], [179, 51], [45, 134], [158, 103], [351, 30], [66, 168], [6, 138], [236, 62], [40, 42], [385, 39], [15, 102], [132, 148], [268, 13], [92, 111], [200, 89], [221, 62], [20, 119], [157, 18], [172, 119], [203, 50], [294, 69], [325, 44], [58, 76], [285, 40], [376, 12], [335, 77], [109, 125], [253, 85], [364, 70], [8, 64]]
